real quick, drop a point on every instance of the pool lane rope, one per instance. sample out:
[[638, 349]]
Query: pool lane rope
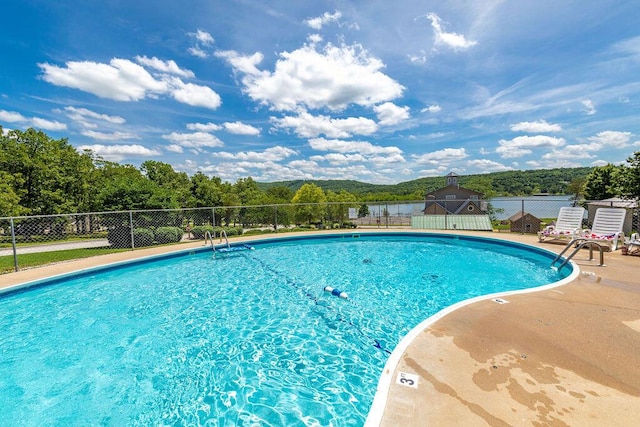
[[336, 292], [309, 295]]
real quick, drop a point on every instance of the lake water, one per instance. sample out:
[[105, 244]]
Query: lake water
[[504, 207]]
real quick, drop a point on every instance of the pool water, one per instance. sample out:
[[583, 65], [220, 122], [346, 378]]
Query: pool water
[[247, 338]]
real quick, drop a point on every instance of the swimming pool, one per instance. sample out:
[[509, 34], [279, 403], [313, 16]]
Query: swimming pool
[[248, 338]]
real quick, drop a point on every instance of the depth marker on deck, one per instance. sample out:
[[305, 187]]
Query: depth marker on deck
[[407, 379], [500, 301]]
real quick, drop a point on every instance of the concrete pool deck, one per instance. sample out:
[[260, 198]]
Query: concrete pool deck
[[567, 356]]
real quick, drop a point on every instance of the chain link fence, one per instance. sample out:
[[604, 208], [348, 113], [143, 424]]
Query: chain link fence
[[36, 240]]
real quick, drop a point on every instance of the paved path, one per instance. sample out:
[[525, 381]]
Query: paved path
[[50, 247]]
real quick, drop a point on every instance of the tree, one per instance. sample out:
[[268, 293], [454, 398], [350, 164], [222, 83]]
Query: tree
[[602, 183], [481, 184], [310, 200], [363, 210], [163, 175], [576, 188], [123, 187], [9, 200], [630, 177], [50, 176], [339, 204]]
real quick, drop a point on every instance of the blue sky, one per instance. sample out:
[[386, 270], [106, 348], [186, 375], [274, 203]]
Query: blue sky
[[376, 91]]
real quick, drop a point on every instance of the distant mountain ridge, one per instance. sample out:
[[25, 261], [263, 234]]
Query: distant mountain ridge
[[508, 183]]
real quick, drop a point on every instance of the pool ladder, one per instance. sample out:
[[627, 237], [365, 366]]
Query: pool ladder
[[579, 246], [210, 238]]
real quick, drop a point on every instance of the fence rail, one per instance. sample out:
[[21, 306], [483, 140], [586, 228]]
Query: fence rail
[[86, 234]]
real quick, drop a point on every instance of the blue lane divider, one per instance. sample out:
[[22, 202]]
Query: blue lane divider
[[310, 296]]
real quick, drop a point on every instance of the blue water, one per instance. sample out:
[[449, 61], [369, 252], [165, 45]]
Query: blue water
[[248, 338], [504, 207]]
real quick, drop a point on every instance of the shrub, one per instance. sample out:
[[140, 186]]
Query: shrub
[[119, 237], [168, 235], [142, 237], [230, 231], [199, 231]]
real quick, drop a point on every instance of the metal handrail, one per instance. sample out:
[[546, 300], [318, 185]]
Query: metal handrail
[[207, 233], [585, 242], [222, 231]]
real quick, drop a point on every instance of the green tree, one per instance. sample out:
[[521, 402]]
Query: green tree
[[602, 183], [576, 188], [9, 200], [630, 177], [165, 177], [206, 192], [310, 201], [363, 210], [123, 187], [50, 176], [339, 204], [482, 184]]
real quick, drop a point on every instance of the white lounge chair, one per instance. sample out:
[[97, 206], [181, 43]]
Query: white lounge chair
[[607, 227], [633, 244], [567, 227]]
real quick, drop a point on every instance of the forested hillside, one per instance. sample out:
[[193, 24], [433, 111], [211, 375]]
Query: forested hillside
[[510, 183], [42, 176]]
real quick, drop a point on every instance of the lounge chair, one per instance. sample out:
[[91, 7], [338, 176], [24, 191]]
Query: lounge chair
[[633, 244], [567, 226], [607, 228]]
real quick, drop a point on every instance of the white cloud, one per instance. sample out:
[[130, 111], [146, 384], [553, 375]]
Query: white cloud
[[523, 145], [239, 128], [332, 78], [12, 116], [175, 148], [52, 125], [195, 95], [486, 165], [118, 153], [195, 140], [446, 156], [339, 158], [572, 152], [451, 40], [418, 59], [124, 80], [81, 114], [340, 146], [204, 37], [589, 107], [197, 51], [165, 66], [271, 154], [541, 126], [202, 40], [204, 127], [431, 109], [243, 63], [610, 138], [309, 126], [114, 136], [318, 22], [390, 114], [120, 80], [36, 122]]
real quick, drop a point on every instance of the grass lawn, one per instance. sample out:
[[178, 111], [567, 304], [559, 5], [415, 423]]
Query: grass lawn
[[43, 258]]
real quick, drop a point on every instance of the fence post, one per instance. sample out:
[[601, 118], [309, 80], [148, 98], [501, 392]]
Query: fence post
[[213, 219], [13, 244], [446, 213], [133, 246], [522, 216], [386, 214], [275, 218]]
